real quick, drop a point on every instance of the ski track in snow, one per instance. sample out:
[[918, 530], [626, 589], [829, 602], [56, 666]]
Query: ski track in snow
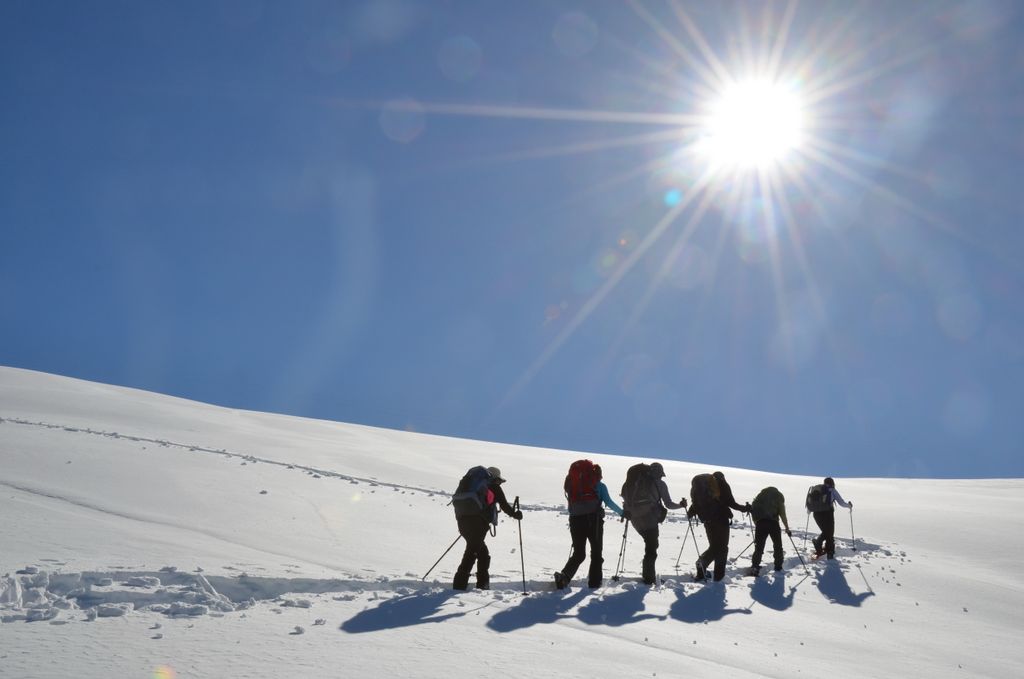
[[34, 594]]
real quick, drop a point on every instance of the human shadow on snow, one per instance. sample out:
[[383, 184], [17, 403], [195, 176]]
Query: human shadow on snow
[[401, 611], [832, 583], [770, 591], [707, 604], [544, 608], [617, 609]]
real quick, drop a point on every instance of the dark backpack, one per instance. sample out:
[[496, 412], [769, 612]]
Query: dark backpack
[[581, 487], [639, 492], [704, 494], [473, 497], [818, 499], [767, 504]]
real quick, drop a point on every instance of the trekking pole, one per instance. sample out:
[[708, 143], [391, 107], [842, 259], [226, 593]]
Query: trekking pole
[[457, 537], [522, 562], [807, 523], [689, 529], [853, 537], [802, 562], [622, 553], [695, 547], [738, 556]]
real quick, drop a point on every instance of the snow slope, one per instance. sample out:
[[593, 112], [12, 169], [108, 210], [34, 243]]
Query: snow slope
[[143, 535]]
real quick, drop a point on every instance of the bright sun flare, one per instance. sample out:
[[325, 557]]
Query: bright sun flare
[[753, 124]]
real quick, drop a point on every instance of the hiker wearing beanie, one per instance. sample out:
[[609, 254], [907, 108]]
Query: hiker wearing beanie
[[474, 526], [646, 501], [767, 508], [711, 500], [587, 496], [825, 517]]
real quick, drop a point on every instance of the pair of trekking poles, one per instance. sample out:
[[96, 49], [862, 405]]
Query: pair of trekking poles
[[522, 562], [689, 532], [853, 535]]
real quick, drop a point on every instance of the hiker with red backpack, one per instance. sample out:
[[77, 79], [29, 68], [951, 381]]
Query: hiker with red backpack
[[821, 501], [587, 496], [646, 501], [476, 502], [711, 500]]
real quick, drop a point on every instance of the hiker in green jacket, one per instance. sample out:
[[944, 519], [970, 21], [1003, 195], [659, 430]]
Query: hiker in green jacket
[[767, 508]]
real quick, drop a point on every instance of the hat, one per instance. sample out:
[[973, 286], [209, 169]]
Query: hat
[[658, 470], [495, 474], [830, 482]]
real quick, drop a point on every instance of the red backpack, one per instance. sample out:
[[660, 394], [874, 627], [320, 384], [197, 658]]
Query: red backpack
[[581, 485]]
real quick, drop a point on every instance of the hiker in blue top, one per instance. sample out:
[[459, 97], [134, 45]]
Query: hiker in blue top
[[587, 496], [825, 543]]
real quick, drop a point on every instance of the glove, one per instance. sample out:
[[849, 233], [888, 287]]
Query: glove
[[518, 515], [746, 508], [789, 532], [851, 505], [627, 515], [682, 501]]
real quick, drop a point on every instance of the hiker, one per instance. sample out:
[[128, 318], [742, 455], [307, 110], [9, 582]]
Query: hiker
[[476, 505], [825, 516], [587, 496], [711, 500], [767, 508], [646, 501]]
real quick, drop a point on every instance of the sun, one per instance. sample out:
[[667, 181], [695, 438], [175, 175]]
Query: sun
[[752, 125]]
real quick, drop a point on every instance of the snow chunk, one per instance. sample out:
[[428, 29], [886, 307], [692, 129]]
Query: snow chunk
[[111, 610]]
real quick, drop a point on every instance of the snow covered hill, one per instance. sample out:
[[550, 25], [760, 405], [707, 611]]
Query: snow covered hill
[[144, 535]]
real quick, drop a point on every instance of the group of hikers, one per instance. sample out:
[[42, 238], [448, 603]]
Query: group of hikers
[[645, 503]]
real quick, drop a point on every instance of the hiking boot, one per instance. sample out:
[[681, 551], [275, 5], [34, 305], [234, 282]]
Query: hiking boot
[[701, 573], [560, 581], [778, 567], [755, 570]]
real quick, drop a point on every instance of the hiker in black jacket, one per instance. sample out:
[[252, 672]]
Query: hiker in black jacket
[[474, 530], [716, 516], [825, 543]]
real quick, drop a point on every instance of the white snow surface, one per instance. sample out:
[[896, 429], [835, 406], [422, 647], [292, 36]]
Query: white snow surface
[[148, 536]]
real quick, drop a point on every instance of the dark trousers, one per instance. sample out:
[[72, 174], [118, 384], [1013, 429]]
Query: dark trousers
[[586, 528], [826, 542], [474, 529], [718, 546], [763, 529], [650, 537]]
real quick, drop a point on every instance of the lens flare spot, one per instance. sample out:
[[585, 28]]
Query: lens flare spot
[[460, 58], [356, 497], [673, 197], [402, 120], [163, 672]]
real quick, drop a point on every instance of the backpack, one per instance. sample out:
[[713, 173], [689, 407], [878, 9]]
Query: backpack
[[473, 497], [581, 487], [639, 492], [767, 504], [819, 499], [704, 495]]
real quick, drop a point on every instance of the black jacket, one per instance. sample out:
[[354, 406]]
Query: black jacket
[[500, 499], [719, 508]]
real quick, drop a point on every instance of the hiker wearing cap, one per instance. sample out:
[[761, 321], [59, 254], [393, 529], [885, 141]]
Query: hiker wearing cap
[[646, 501], [587, 496], [712, 501], [767, 508], [474, 528], [825, 543]]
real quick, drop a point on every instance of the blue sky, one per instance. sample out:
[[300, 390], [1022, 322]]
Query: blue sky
[[487, 219]]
